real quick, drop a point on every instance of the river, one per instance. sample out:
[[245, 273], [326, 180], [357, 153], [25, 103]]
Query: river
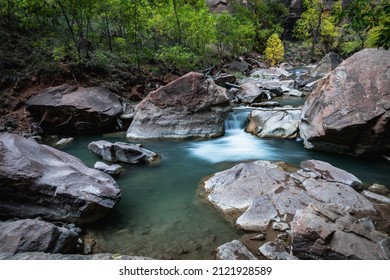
[[160, 215]]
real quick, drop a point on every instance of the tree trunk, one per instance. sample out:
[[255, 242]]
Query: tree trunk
[[316, 33], [177, 21]]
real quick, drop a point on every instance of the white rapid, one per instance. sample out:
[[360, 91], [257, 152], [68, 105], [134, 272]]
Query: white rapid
[[235, 145]]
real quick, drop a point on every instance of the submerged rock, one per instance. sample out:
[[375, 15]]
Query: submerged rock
[[349, 111], [35, 236], [189, 107], [75, 110], [275, 123], [122, 152], [234, 250], [40, 181]]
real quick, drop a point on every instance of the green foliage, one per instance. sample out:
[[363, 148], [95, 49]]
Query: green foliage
[[319, 25], [266, 16], [178, 57], [350, 47], [233, 35], [274, 52], [371, 20]]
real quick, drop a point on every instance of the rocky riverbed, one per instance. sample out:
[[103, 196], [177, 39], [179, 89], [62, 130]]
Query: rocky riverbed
[[314, 211]]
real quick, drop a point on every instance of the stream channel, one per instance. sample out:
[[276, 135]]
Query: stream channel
[[160, 215]]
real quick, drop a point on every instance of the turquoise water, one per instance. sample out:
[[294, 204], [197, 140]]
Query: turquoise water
[[160, 215]]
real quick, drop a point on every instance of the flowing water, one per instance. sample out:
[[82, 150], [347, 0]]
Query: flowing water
[[160, 214]]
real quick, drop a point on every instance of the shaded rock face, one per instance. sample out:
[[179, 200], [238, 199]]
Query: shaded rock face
[[329, 232], [327, 64], [252, 195], [274, 123], [35, 236], [40, 181], [75, 110], [349, 111], [189, 107], [122, 152], [249, 93]]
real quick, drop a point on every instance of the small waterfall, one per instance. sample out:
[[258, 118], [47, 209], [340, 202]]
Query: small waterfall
[[236, 119], [235, 145]]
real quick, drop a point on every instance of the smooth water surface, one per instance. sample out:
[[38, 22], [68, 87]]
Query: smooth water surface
[[160, 214]]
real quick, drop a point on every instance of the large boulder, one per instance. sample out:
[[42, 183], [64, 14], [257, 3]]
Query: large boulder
[[35, 236], [327, 64], [274, 123], [75, 110], [40, 181], [349, 111], [329, 232], [122, 152], [252, 195], [189, 107]]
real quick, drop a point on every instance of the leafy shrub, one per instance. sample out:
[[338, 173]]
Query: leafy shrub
[[178, 57]]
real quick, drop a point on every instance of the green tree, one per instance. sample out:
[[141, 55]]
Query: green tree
[[370, 19], [267, 16], [274, 52], [318, 25], [234, 35]]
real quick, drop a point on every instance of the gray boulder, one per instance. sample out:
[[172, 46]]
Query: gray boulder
[[40, 181], [71, 110], [276, 251], [252, 195], [249, 93], [189, 107], [35, 236], [113, 169], [327, 64], [274, 123], [234, 250], [329, 232], [122, 152], [349, 110]]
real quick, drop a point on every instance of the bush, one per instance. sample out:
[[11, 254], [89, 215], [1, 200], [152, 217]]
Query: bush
[[274, 52], [178, 57]]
